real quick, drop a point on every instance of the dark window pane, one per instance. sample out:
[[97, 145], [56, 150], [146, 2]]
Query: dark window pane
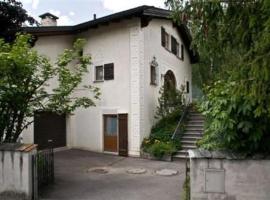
[[109, 71], [162, 36], [187, 85], [153, 75], [174, 45]]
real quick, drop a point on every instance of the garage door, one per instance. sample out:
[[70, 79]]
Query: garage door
[[49, 130]]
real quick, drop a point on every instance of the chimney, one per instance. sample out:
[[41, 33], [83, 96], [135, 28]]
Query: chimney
[[48, 19], [95, 16]]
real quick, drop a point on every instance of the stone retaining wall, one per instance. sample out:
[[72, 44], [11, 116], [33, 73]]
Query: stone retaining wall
[[220, 176]]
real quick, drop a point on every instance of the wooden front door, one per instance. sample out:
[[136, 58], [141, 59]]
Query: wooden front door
[[110, 133]]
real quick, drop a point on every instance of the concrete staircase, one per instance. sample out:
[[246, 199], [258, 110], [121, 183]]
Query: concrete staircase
[[193, 133]]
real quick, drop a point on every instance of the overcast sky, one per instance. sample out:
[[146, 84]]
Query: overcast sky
[[76, 11]]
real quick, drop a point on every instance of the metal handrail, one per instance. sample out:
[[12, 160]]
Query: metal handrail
[[180, 121]]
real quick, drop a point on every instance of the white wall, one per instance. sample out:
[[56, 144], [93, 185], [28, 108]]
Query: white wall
[[166, 61], [106, 44], [51, 47], [16, 173], [131, 49]]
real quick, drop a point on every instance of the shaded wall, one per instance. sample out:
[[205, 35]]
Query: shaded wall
[[226, 177]]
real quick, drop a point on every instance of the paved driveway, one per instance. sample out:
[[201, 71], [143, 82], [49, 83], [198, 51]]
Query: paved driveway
[[83, 175]]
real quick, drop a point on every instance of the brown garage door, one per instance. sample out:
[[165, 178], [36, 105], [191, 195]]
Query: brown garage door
[[48, 127]]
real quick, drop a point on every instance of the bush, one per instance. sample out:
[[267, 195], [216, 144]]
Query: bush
[[159, 148], [233, 122]]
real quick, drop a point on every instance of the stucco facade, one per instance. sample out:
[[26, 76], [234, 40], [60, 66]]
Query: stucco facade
[[131, 47]]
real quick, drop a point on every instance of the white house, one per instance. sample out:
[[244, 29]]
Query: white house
[[133, 52]]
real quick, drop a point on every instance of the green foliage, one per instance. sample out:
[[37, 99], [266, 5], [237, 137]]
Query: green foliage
[[170, 100], [25, 78], [169, 111], [233, 41], [12, 16], [159, 148], [160, 141], [232, 122]]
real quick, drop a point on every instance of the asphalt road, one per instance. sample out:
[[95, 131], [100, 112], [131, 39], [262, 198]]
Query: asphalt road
[[83, 175]]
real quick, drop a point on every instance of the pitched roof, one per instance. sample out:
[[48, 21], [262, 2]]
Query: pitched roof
[[49, 15], [141, 11]]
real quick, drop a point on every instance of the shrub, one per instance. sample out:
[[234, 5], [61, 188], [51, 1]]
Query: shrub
[[159, 148], [233, 122]]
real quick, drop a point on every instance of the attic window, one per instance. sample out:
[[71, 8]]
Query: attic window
[[174, 46], [164, 38]]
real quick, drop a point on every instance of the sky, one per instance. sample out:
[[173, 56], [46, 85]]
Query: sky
[[72, 12]]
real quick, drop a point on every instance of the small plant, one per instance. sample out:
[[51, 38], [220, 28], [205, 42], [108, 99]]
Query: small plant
[[159, 148]]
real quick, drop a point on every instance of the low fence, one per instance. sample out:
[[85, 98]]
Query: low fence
[[43, 170], [216, 175]]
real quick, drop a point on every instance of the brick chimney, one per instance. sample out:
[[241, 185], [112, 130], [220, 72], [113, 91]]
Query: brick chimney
[[48, 19]]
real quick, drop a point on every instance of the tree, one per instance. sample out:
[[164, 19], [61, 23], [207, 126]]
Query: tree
[[24, 81], [233, 41], [12, 16]]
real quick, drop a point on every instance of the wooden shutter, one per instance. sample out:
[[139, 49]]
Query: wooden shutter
[[182, 52], [174, 45], [163, 39], [109, 71], [123, 134]]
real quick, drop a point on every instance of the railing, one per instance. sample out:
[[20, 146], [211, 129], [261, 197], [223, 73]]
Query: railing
[[181, 121], [43, 169]]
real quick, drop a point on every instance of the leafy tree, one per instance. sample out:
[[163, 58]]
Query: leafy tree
[[24, 84], [233, 41], [12, 16]]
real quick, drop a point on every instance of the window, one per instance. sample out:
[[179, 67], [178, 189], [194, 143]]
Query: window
[[182, 51], [187, 87], [174, 46], [153, 77], [164, 38], [109, 71], [99, 73]]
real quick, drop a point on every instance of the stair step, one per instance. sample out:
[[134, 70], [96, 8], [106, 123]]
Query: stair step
[[193, 133], [181, 154], [199, 129], [194, 125], [195, 122], [188, 146], [187, 137], [185, 141]]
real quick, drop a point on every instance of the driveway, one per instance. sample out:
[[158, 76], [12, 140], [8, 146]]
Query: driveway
[[83, 175]]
